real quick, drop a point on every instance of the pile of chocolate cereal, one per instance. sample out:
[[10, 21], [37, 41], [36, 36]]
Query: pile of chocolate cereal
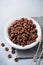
[[22, 32]]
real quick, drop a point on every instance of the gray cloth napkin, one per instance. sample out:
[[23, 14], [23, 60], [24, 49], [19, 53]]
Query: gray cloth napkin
[[39, 20], [30, 52]]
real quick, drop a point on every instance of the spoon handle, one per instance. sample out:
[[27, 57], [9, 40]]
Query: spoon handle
[[35, 56], [38, 60]]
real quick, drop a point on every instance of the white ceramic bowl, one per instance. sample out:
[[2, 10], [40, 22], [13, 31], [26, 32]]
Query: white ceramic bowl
[[27, 46]]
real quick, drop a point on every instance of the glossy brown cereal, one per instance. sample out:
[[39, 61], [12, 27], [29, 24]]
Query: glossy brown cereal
[[12, 50], [2, 44], [6, 49], [16, 59], [22, 32], [9, 56]]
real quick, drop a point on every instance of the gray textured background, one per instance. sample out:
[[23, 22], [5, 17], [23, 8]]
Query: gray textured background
[[17, 8]]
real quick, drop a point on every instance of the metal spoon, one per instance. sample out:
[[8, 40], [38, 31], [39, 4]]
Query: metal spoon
[[35, 56], [38, 60]]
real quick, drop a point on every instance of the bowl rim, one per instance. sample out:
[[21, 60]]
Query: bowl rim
[[17, 46]]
